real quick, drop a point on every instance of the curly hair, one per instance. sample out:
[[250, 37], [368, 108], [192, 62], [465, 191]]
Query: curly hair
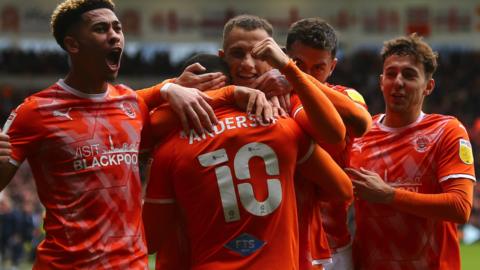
[[69, 12], [313, 32], [412, 45]]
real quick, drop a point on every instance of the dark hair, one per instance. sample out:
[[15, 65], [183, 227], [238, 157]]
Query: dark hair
[[69, 12], [211, 63], [248, 23], [412, 45], [313, 32]]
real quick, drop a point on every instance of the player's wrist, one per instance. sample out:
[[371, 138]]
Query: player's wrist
[[164, 90], [389, 195]]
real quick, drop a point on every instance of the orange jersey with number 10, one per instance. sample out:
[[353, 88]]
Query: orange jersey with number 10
[[236, 189]]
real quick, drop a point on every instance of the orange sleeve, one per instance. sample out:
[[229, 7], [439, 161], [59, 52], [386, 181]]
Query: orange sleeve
[[453, 204], [163, 120], [354, 114], [326, 125], [333, 181], [222, 97], [151, 95]]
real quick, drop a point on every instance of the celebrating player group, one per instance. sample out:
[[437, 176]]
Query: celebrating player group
[[254, 158]]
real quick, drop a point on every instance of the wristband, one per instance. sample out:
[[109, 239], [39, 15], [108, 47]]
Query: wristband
[[164, 89]]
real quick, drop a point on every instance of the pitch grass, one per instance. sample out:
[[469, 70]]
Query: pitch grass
[[470, 256]]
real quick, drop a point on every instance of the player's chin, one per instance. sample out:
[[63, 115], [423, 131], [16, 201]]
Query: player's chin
[[111, 77]]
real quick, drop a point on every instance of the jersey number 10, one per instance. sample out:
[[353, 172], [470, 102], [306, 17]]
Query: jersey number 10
[[242, 172]]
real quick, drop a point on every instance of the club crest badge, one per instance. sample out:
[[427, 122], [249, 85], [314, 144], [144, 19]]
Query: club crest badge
[[128, 109], [421, 143]]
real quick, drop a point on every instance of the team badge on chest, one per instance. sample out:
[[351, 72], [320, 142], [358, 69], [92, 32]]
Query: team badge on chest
[[421, 143], [128, 109]]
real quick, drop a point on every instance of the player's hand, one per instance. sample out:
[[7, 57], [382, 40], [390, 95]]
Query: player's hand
[[5, 148], [278, 111], [273, 83], [191, 105], [254, 102], [370, 186], [203, 82], [269, 51]]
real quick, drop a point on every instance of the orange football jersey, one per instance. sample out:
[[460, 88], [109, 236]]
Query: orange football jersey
[[83, 150], [235, 188], [332, 223], [416, 158]]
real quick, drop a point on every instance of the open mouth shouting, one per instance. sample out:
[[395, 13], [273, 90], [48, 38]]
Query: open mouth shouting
[[113, 58]]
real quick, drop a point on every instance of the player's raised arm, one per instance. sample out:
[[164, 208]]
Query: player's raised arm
[[333, 181], [326, 123], [351, 107]]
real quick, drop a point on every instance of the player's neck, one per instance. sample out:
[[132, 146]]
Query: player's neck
[[400, 119], [85, 84]]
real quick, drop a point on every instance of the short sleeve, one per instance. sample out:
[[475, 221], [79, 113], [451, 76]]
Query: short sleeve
[[160, 188], [454, 155], [24, 126]]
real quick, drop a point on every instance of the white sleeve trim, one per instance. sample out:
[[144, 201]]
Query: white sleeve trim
[[468, 176], [159, 201], [297, 111], [14, 162], [308, 154], [322, 261]]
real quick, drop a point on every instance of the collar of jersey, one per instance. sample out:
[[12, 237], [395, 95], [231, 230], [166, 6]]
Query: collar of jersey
[[392, 129], [81, 94]]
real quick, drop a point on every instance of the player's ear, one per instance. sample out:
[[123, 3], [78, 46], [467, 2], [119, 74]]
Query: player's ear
[[430, 86], [221, 53], [332, 67], [71, 44]]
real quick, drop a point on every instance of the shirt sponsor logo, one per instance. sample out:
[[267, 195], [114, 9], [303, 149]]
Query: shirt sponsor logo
[[407, 184], [92, 156], [465, 152], [245, 244]]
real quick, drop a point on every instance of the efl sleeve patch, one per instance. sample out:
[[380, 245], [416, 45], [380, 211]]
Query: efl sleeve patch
[[465, 152], [355, 96]]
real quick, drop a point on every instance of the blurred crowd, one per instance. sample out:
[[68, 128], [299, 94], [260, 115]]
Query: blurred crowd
[[457, 93]]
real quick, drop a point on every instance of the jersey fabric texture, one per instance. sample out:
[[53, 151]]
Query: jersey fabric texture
[[327, 231], [83, 150], [235, 188], [416, 158]]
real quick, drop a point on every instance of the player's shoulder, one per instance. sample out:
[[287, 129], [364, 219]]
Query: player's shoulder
[[36, 100], [352, 93], [448, 122], [122, 89]]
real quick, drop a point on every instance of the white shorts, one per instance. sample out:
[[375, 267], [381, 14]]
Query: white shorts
[[341, 259]]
